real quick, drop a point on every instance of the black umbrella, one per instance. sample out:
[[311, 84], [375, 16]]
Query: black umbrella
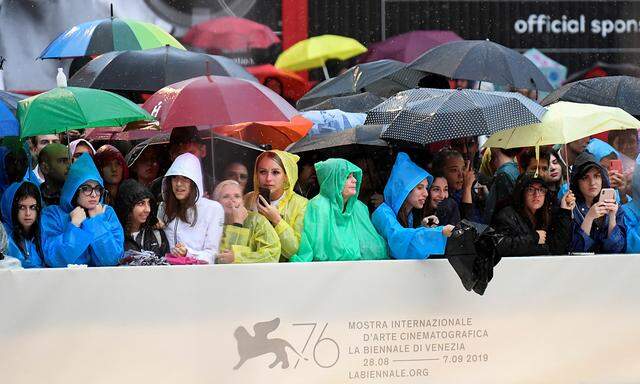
[[428, 115], [383, 78], [362, 138], [482, 60], [11, 100], [611, 91], [605, 69], [361, 102], [151, 69]]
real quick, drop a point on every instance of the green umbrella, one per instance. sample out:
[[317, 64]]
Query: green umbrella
[[65, 108]]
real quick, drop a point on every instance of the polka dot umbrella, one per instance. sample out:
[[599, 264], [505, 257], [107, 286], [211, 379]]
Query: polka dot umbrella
[[427, 115]]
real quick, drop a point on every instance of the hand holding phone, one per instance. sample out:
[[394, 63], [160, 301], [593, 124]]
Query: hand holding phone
[[615, 166], [265, 193]]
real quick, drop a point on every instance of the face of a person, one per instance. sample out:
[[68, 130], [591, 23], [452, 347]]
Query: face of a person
[[453, 171], [627, 144], [542, 166], [88, 196], [349, 188], [181, 187], [419, 195], [112, 172], [141, 211], [439, 191], [27, 212], [147, 166], [230, 197], [271, 176], [467, 146], [555, 170], [44, 140], [58, 168], [590, 184], [579, 146], [197, 149], [80, 149], [307, 174], [237, 172], [534, 196]]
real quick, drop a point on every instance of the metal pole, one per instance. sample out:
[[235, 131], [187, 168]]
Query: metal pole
[[383, 21]]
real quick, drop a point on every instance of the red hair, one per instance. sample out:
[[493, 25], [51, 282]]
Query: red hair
[[106, 154]]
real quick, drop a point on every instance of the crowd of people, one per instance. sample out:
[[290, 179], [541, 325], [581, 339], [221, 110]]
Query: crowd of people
[[77, 204]]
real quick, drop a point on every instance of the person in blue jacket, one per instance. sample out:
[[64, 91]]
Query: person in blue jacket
[[597, 226], [397, 218], [81, 230], [631, 212], [21, 208]]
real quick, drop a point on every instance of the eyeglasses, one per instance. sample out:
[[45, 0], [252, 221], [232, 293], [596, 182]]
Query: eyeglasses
[[536, 191], [87, 190]]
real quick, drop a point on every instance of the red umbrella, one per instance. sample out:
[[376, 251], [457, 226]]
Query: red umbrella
[[286, 83], [230, 34], [212, 101], [279, 134], [408, 46]]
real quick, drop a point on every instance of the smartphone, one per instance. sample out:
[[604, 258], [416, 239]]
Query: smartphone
[[266, 194], [607, 194], [616, 165]]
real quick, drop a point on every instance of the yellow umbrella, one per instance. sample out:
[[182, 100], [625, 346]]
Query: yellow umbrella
[[314, 52], [563, 123]]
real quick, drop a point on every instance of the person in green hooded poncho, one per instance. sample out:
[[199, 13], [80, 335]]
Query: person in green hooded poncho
[[336, 224]]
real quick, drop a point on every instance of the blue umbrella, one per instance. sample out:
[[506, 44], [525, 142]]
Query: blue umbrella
[[10, 100], [8, 123]]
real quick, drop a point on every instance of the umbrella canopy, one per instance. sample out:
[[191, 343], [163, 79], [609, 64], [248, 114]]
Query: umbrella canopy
[[10, 100], [611, 91], [383, 78], [563, 123], [277, 134], [600, 69], [361, 138], [230, 34], [292, 86], [314, 52], [406, 47], [211, 101], [360, 103], [148, 70], [333, 120], [482, 60], [555, 72], [8, 122], [106, 35], [428, 115], [62, 109]]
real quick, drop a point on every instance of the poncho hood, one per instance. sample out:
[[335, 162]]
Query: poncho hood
[[332, 175], [81, 171], [187, 165], [405, 175]]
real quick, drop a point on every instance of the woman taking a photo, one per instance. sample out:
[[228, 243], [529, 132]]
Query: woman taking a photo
[[21, 208], [193, 224], [399, 218], [275, 174], [248, 237]]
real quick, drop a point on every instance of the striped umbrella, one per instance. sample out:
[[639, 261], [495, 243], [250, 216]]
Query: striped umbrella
[[106, 35]]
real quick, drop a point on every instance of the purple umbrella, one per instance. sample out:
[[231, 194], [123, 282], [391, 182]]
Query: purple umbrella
[[408, 46]]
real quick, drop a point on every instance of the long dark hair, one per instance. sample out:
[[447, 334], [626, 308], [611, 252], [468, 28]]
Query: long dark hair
[[543, 215], [174, 208], [20, 235]]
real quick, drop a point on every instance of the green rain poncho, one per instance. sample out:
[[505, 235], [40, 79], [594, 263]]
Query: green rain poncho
[[330, 234], [255, 242]]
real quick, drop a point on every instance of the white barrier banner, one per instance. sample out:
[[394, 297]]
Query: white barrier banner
[[542, 320]]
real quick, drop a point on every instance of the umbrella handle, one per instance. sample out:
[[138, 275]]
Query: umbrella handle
[[325, 71]]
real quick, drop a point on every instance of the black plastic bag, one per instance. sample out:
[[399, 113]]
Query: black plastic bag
[[471, 252]]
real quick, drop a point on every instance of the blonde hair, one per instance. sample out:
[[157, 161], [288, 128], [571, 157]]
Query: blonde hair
[[218, 190]]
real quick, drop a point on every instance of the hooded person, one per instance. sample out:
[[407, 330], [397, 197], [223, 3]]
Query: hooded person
[[21, 208], [193, 224], [598, 226], [137, 211], [530, 225], [631, 212], [113, 170], [54, 165], [80, 146], [13, 166], [335, 229], [7, 261], [604, 153], [248, 236], [81, 230], [397, 219], [277, 171]]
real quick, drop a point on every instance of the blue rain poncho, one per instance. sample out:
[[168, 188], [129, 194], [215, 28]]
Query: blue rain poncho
[[631, 212], [99, 241], [406, 243]]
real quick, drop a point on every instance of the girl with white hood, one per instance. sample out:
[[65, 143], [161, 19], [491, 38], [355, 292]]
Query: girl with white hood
[[193, 224]]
